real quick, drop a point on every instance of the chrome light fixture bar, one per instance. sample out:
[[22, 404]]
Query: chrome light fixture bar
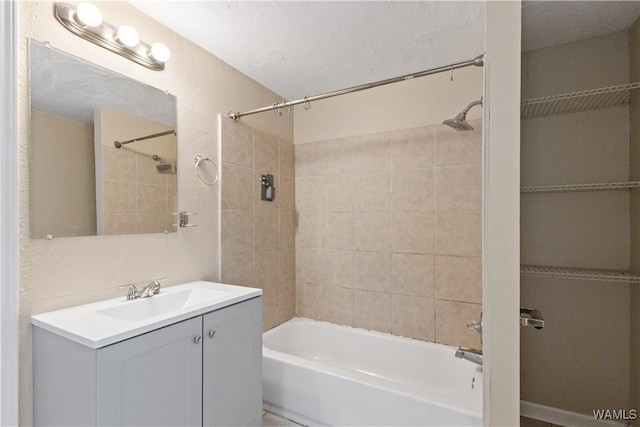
[[86, 21]]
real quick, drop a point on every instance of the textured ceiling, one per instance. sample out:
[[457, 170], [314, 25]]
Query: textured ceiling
[[303, 48]]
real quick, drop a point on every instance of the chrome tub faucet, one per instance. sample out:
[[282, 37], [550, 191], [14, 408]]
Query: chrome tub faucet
[[470, 354]]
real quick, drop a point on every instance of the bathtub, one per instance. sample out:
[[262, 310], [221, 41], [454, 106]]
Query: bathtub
[[318, 373]]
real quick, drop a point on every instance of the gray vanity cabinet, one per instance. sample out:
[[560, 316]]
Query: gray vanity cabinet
[[206, 370]]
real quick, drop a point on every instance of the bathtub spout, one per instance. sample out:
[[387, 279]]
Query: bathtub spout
[[469, 354]]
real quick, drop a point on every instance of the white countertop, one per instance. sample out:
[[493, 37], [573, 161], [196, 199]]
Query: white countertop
[[106, 322]]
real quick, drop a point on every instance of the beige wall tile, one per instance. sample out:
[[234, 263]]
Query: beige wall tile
[[337, 305], [286, 303], [413, 190], [287, 194], [270, 308], [237, 187], [372, 231], [307, 265], [413, 317], [236, 233], [265, 153], [337, 193], [120, 224], [459, 278], [336, 230], [237, 143], [412, 274], [267, 270], [459, 188], [372, 271], [307, 160], [413, 232], [238, 270], [451, 323], [372, 153], [307, 297], [307, 194], [287, 267], [459, 148], [267, 231], [336, 268], [336, 157], [287, 158], [308, 230], [264, 205], [120, 197], [372, 192], [172, 201], [287, 230], [413, 148], [119, 165], [152, 199], [459, 233], [151, 223], [372, 310]]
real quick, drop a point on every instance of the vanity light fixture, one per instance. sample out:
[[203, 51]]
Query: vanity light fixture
[[85, 20]]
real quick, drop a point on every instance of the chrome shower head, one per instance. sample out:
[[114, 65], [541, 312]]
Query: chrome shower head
[[460, 121], [163, 166]]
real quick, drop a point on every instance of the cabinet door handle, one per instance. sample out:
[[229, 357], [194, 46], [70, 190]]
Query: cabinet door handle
[[212, 333], [197, 339]]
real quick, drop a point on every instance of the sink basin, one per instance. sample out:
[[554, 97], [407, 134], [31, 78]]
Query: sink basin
[[163, 303], [106, 322]]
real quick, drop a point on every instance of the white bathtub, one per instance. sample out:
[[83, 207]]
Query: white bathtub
[[318, 373]]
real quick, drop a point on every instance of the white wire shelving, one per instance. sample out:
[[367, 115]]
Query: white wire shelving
[[565, 188], [573, 102], [578, 273]]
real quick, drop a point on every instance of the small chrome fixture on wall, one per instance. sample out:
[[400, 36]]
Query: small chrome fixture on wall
[[85, 21], [199, 160], [183, 219]]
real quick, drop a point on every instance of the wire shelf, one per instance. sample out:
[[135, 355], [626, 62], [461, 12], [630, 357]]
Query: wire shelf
[[585, 100], [578, 273], [598, 186]]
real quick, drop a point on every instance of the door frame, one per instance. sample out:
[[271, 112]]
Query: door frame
[[8, 215], [501, 214]]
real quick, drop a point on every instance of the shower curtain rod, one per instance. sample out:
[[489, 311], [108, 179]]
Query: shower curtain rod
[[119, 144], [477, 61]]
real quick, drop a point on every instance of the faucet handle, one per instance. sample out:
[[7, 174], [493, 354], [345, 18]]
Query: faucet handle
[[475, 326], [133, 291], [155, 288]]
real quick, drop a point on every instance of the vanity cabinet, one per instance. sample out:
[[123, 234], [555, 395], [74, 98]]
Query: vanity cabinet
[[206, 370]]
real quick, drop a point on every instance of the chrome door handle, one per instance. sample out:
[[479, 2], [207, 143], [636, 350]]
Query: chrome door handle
[[212, 333], [197, 339]]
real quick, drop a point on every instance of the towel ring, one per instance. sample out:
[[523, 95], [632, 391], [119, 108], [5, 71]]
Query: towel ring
[[198, 161]]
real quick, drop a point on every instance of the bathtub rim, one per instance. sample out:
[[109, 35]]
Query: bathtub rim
[[364, 379]]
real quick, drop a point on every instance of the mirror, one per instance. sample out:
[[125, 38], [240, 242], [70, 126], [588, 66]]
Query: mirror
[[103, 150]]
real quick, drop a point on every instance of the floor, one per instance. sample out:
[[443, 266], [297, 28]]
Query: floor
[[272, 420]]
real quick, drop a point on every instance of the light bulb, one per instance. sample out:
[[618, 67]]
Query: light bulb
[[128, 36], [88, 14], [160, 52]]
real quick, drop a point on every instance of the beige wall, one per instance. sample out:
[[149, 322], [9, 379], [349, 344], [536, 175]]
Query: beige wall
[[388, 232], [580, 360], [63, 182], [257, 241], [132, 195], [634, 62], [68, 271]]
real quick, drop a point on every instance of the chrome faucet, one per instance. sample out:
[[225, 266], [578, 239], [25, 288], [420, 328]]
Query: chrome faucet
[[151, 289], [470, 354]]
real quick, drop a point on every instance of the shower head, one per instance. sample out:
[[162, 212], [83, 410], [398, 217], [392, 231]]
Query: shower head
[[163, 166], [460, 121]]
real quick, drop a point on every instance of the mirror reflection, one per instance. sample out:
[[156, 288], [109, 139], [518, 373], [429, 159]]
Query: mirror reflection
[[103, 150]]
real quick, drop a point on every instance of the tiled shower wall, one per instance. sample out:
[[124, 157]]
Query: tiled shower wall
[[388, 233], [257, 237]]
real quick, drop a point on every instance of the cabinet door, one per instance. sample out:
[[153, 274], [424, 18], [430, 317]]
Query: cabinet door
[[232, 366], [153, 379]]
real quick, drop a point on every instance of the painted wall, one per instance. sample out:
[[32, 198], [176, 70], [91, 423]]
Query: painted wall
[[634, 113], [69, 271], [257, 240], [63, 198], [580, 360], [388, 207]]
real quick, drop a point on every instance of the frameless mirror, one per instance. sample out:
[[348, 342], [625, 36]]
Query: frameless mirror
[[103, 150]]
